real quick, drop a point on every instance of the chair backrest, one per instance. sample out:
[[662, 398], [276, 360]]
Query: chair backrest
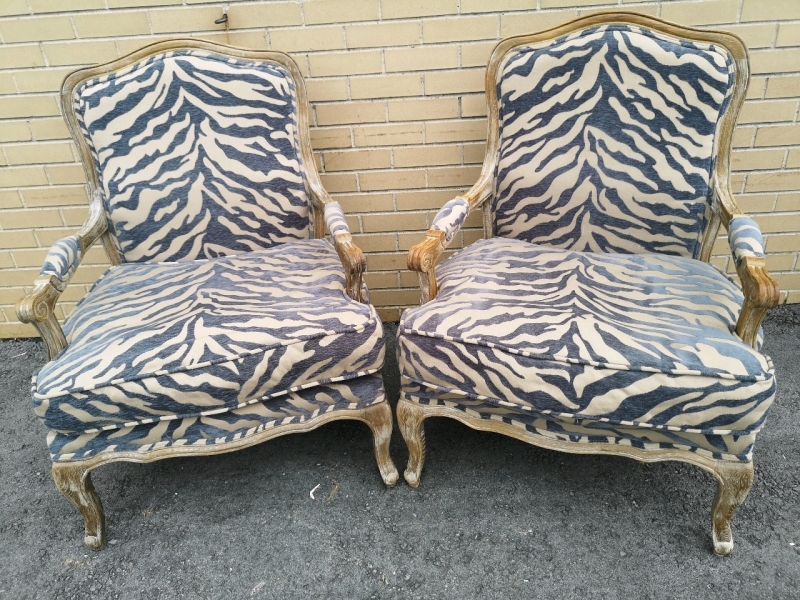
[[196, 152], [607, 139]]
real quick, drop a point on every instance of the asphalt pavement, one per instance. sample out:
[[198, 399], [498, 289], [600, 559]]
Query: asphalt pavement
[[492, 518]]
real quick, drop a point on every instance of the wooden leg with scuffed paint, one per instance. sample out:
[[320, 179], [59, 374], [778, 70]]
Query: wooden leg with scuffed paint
[[75, 482], [379, 418], [410, 418], [734, 481]]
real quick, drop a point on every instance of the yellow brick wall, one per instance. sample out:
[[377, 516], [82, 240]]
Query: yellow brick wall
[[398, 116]]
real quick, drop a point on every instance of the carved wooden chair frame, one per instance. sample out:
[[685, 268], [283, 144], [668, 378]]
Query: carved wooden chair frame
[[760, 290], [38, 307]]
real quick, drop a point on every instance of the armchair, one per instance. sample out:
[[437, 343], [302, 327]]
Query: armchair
[[589, 320], [226, 318]]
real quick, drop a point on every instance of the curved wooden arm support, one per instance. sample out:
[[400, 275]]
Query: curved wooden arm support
[[760, 290], [761, 293], [38, 307], [354, 263], [422, 258], [353, 259]]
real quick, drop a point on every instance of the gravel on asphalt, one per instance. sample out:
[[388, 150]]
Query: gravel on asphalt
[[492, 518]]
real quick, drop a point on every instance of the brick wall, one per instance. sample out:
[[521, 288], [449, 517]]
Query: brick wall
[[398, 117]]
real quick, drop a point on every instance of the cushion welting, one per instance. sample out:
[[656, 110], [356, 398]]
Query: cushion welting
[[640, 339], [172, 340]]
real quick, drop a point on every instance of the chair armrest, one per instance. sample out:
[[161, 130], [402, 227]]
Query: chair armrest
[[353, 260], [423, 257], [38, 307], [61, 261], [760, 290]]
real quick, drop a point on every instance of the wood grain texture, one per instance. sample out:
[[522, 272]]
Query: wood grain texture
[[734, 479], [73, 477], [38, 307]]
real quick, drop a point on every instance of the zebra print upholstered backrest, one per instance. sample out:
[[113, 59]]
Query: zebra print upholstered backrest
[[606, 140], [197, 154]]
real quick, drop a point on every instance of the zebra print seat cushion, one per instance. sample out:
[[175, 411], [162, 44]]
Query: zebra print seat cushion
[[639, 340], [197, 155], [295, 407], [163, 341], [606, 140]]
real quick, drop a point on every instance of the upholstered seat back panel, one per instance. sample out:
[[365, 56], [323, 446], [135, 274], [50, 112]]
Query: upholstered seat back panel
[[173, 340], [197, 155], [606, 140], [643, 339]]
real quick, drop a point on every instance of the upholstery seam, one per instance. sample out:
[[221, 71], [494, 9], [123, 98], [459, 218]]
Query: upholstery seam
[[638, 424], [202, 365], [770, 374], [217, 411]]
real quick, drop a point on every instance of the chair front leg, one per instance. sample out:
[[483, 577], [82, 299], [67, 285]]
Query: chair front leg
[[409, 419], [379, 418], [734, 481], [75, 482]]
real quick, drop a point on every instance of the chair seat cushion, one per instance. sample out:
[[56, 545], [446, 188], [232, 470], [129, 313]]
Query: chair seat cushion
[[642, 340], [162, 341]]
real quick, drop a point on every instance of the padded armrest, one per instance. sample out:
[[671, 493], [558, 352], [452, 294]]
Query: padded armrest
[[353, 260], [62, 260], [744, 237], [760, 290], [423, 257], [335, 220], [38, 307], [450, 218]]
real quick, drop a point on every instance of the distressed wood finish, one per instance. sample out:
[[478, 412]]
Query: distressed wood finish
[[73, 477], [760, 290], [38, 307], [734, 479]]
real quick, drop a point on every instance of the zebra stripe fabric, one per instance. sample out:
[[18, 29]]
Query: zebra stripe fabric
[[164, 341], [294, 407], [62, 259], [335, 219], [606, 139], [639, 340], [744, 237], [587, 431], [451, 217], [197, 155]]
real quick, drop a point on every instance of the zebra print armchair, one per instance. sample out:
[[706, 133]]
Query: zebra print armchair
[[227, 318], [589, 320]]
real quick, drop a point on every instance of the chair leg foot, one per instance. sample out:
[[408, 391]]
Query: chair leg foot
[[734, 481], [75, 482], [379, 418], [410, 418]]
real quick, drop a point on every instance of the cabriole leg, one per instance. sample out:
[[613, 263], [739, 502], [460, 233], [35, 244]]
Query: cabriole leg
[[734, 481], [410, 418], [379, 418], [75, 482]]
